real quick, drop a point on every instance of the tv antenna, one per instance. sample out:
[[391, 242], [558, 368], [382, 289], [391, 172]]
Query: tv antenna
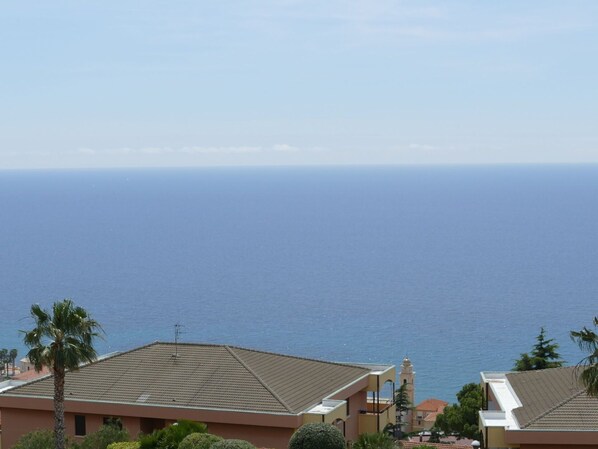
[[177, 336]]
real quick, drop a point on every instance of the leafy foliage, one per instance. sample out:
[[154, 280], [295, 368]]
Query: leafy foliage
[[170, 437], [61, 339], [105, 436], [124, 445], [462, 418], [403, 404], [374, 441], [199, 441], [232, 444], [587, 340], [317, 436], [543, 355], [6, 358], [38, 439]]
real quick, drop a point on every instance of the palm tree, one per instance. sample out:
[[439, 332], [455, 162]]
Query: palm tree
[[13, 358], [588, 342], [61, 340]]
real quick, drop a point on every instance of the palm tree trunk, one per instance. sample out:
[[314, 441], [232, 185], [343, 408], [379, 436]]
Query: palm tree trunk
[[59, 438]]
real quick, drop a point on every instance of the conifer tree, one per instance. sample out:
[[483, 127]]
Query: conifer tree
[[543, 355]]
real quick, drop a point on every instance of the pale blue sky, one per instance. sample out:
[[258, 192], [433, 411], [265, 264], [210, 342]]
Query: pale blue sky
[[184, 83]]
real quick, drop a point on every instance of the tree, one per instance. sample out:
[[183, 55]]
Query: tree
[[374, 441], [462, 418], [543, 355], [170, 437], [13, 357], [4, 360], [403, 404], [587, 340], [106, 435], [62, 340], [316, 436]]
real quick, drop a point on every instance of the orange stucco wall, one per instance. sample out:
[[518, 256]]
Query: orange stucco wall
[[357, 402], [16, 422], [270, 437], [557, 446], [552, 440]]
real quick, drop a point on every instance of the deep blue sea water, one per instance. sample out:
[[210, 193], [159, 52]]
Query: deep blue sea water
[[457, 267]]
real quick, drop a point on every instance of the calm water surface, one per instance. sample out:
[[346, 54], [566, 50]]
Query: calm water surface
[[455, 267]]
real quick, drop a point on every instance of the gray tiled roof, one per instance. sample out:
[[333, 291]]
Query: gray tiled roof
[[553, 399], [204, 376]]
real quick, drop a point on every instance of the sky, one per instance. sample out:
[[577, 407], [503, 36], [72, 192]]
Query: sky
[[146, 83]]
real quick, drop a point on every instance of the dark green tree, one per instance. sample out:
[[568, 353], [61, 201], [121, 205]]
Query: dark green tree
[[462, 418], [587, 340], [4, 360], [170, 437], [317, 436], [62, 339], [403, 404], [13, 358], [543, 355], [374, 441], [105, 435]]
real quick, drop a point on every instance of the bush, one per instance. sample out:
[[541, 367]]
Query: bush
[[170, 437], [317, 436], [105, 435], [38, 439], [199, 441], [232, 444], [374, 441], [124, 445]]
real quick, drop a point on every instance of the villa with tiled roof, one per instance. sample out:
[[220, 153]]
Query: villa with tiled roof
[[239, 393], [538, 409]]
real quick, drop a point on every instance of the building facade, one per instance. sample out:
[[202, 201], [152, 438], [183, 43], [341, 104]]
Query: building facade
[[239, 393], [543, 409]]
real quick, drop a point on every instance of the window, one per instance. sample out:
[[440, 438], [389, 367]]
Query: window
[[113, 421], [80, 425], [348, 412]]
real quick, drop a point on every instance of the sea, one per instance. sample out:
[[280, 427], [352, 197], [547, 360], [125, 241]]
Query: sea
[[455, 267]]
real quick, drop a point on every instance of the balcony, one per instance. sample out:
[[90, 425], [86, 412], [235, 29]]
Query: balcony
[[377, 415]]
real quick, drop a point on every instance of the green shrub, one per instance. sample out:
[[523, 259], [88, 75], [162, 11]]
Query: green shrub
[[374, 441], [170, 437], [38, 439], [232, 444], [124, 445], [317, 436], [199, 441], [41, 439], [105, 435]]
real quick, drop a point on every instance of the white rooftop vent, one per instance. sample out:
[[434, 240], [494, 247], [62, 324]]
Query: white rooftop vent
[[143, 398]]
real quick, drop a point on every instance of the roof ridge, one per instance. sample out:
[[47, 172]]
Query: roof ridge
[[349, 364], [259, 379], [290, 356], [552, 409]]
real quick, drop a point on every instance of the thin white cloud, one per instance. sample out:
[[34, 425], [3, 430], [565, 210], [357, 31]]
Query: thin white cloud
[[199, 150]]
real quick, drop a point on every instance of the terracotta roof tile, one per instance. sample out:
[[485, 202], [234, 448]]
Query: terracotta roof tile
[[413, 444], [431, 405], [204, 376], [553, 399]]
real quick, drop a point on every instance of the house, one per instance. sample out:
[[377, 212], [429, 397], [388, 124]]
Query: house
[[425, 414], [416, 444], [242, 393], [538, 409]]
